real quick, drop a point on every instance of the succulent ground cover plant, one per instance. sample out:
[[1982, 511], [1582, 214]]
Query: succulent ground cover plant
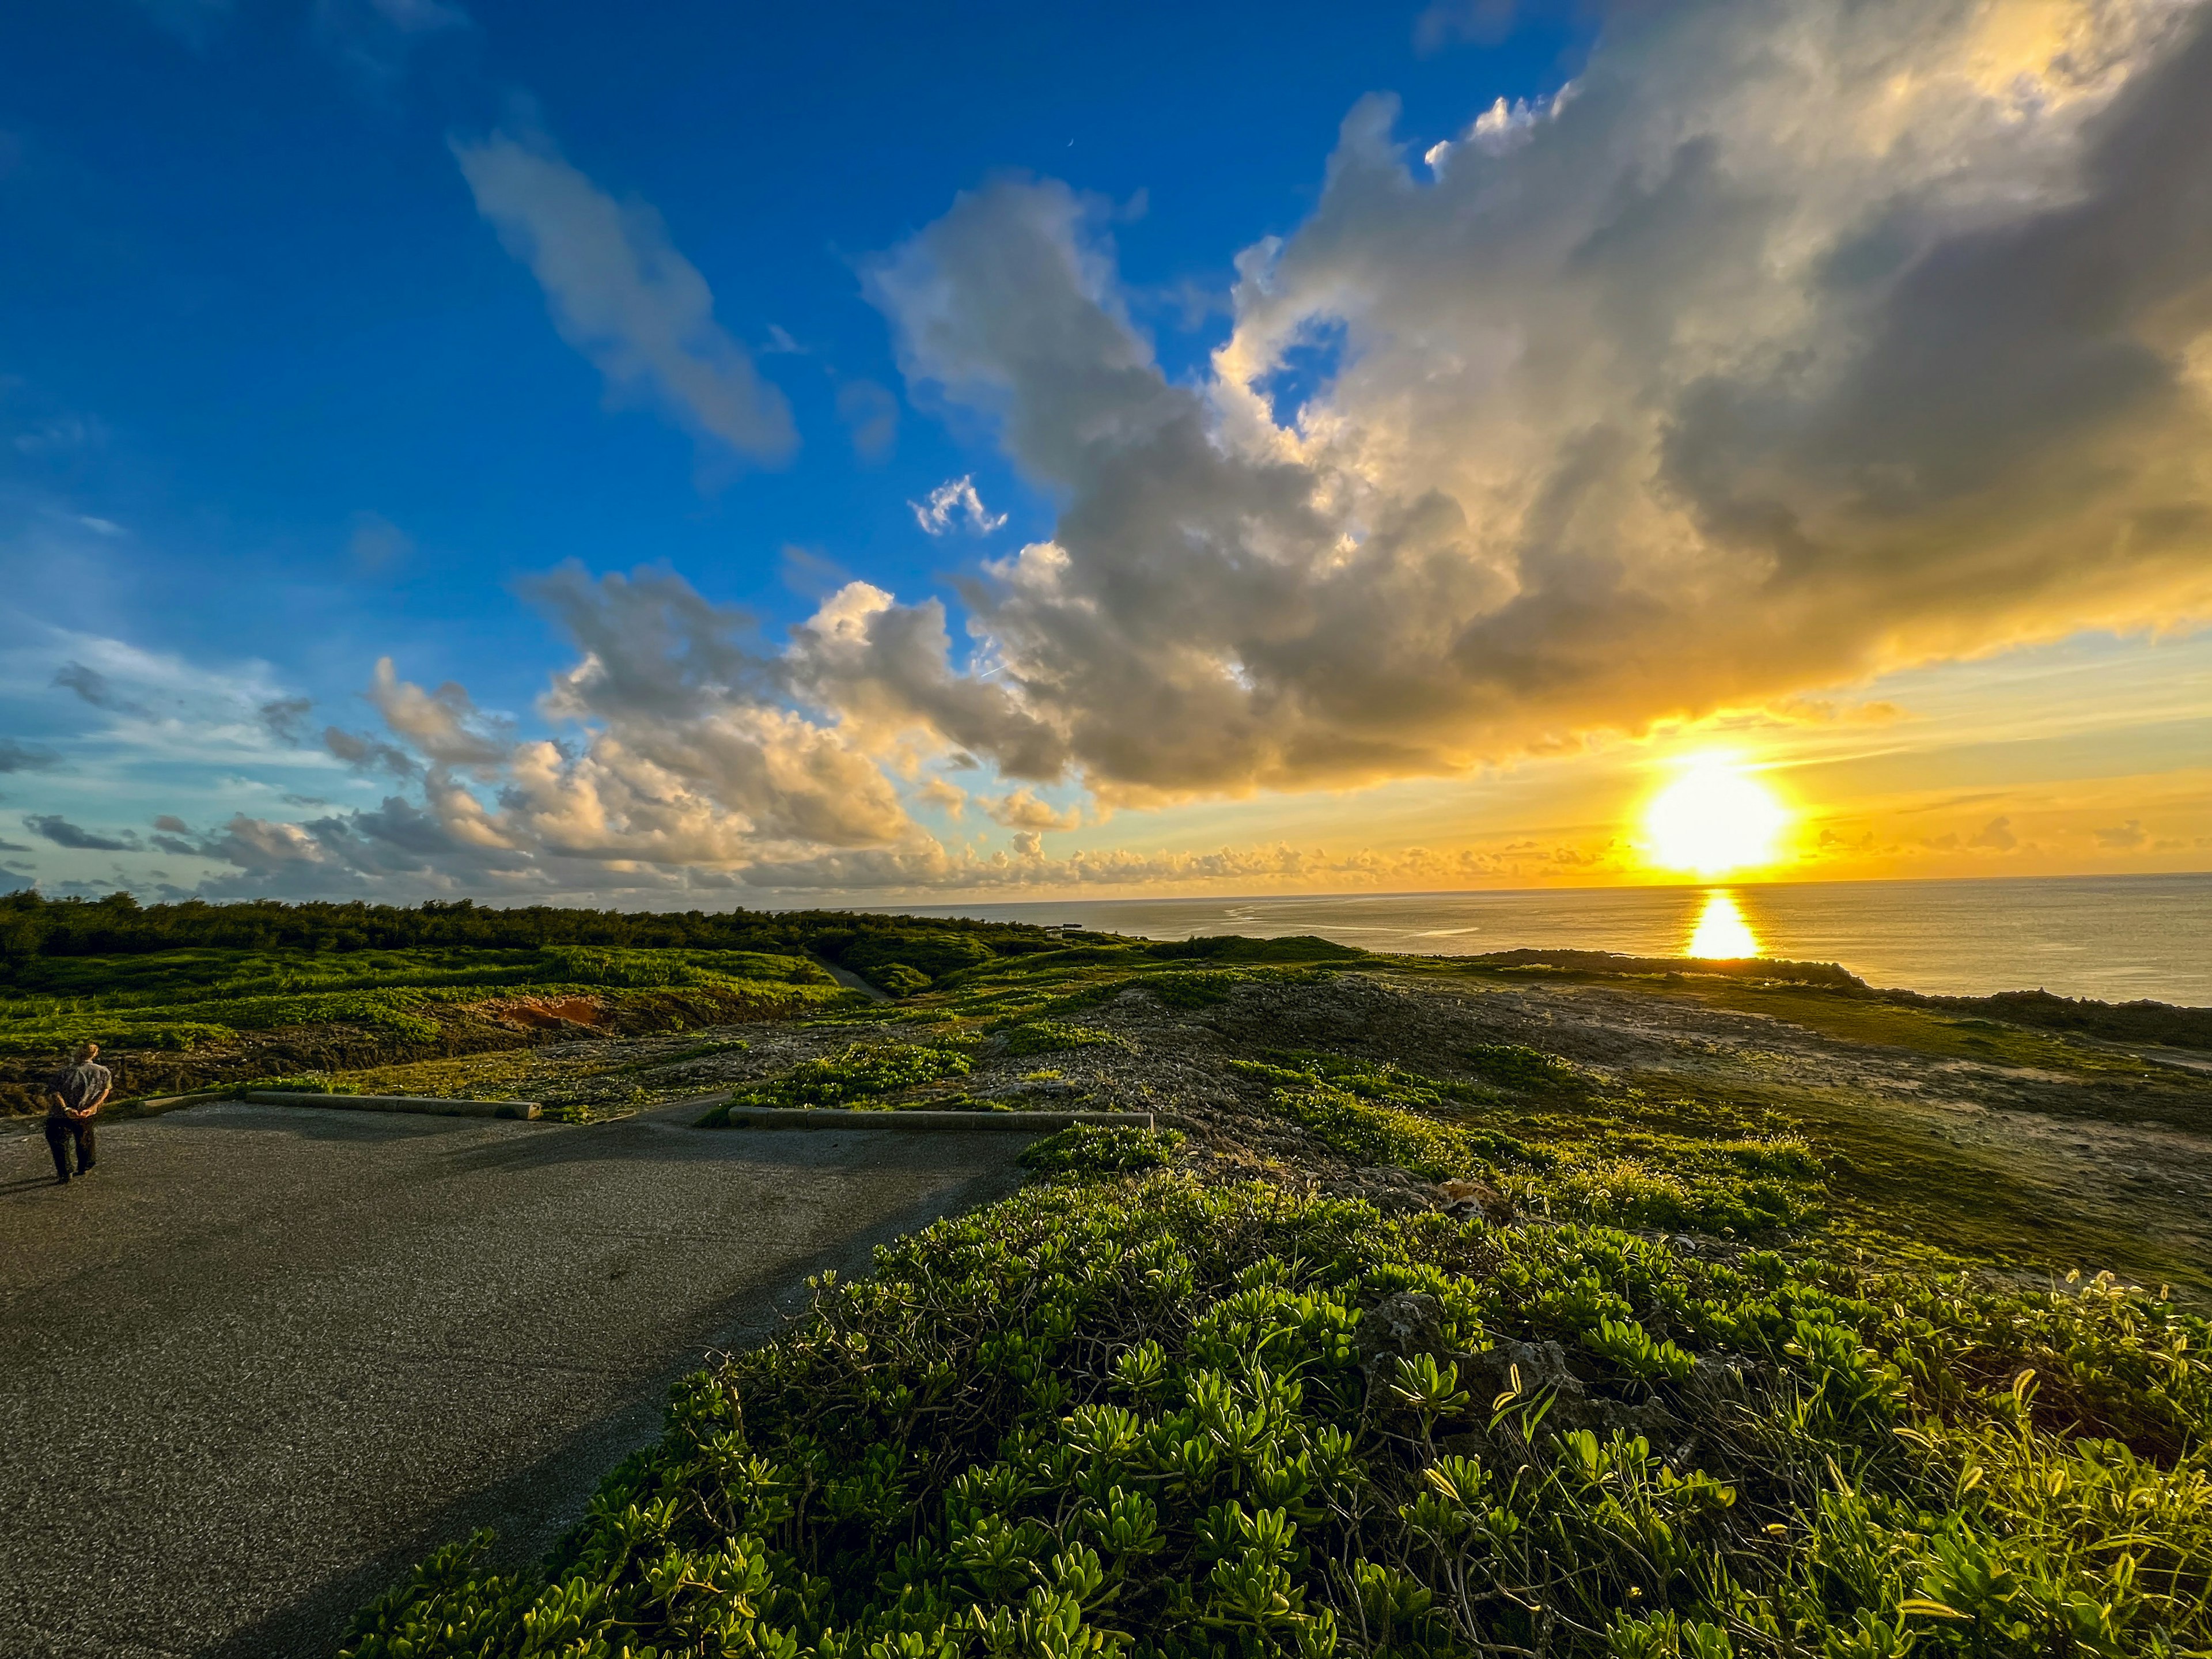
[[1148, 1415], [1691, 1387]]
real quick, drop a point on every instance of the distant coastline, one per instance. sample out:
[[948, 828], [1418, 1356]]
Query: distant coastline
[[2113, 939]]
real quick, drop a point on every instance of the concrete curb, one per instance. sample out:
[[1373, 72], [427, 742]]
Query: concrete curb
[[155, 1105], [835, 1117], [423, 1104]]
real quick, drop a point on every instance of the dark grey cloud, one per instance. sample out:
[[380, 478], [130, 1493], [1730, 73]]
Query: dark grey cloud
[[60, 831], [286, 718], [94, 687], [18, 757], [368, 754]]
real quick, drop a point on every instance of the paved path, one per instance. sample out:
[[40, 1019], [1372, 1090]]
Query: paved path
[[266, 1356]]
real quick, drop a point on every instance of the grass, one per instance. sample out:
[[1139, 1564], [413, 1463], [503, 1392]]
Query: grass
[[195, 999], [1882, 1024]]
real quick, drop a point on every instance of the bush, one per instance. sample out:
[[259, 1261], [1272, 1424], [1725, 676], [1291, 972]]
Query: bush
[[1048, 1036], [1175, 1421], [1104, 1149], [859, 1072]]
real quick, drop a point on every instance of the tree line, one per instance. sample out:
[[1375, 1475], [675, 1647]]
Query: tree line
[[33, 925]]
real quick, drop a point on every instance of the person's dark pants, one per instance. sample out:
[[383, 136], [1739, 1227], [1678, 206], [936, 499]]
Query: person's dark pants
[[60, 1132]]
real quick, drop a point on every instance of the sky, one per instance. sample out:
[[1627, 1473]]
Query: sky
[[703, 455]]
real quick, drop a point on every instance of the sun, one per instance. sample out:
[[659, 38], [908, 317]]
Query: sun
[[1713, 818]]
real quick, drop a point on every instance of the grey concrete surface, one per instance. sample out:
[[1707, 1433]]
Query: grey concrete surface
[[264, 1358]]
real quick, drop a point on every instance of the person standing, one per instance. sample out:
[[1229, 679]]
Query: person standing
[[75, 1093]]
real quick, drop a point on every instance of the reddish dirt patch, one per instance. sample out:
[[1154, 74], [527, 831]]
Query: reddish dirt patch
[[538, 1013]]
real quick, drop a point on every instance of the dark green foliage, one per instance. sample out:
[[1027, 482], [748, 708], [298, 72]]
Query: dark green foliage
[[1093, 1419], [187, 998], [1233, 947], [901, 981], [1103, 1149], [31, 925], [1188, 987], [1512, 1066], [920, 952], [857, 1075]]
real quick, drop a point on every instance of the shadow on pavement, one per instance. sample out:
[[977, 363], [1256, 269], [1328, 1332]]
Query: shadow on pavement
[[531, 1509]]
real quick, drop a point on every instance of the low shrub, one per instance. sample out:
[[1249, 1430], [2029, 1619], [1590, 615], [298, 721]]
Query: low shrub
[[1169, 1420], [1103, 1149], [1049, 1036], [856, 1074]]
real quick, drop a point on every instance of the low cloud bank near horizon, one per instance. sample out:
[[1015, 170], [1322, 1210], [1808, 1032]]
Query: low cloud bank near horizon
[[1787, 344]]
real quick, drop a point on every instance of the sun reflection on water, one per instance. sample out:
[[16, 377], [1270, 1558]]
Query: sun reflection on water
[[1722, 933]]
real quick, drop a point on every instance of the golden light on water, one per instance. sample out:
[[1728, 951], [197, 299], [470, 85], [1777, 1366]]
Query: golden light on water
[[1722, 933], [1713, 818]]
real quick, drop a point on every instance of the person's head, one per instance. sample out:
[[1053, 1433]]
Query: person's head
[[89, 1051]]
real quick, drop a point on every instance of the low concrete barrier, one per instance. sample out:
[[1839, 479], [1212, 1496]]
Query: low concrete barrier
[[836, 1117], [515, 1108]]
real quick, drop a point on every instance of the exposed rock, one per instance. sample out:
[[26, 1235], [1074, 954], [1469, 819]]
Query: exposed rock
[[1401, 1325], [1475, 1200]]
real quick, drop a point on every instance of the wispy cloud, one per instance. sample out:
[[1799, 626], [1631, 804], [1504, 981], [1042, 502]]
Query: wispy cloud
[[952, 502], [621, 293]]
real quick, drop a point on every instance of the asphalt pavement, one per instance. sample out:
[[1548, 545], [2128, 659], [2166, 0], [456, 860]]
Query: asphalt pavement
[[265, 1357]]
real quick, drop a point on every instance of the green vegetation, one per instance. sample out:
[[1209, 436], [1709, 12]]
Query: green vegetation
[[1084, 1149], [186, 999], [1730, 1382], [1051, 1037], [1163, 1419], [858, 1076]]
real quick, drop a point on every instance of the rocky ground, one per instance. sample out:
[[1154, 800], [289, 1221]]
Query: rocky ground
[[1992, 1143]]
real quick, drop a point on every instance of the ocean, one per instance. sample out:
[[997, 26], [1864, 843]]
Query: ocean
[[2113, 938]]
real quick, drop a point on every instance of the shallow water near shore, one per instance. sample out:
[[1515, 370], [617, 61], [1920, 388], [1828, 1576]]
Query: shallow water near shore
[[2113, 938]]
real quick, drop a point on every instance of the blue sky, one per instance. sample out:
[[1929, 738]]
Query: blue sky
[[248, 269], [317, 348]]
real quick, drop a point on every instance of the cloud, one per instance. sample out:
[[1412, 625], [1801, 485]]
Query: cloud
[[953, 499], [18, 757], [948, 798], [94, 687], [871, 413], [286, 718], [1997, 836], [366, 754], [621, 294], [1794, 344], [60, 831], [1022, 810], [172, 824], [2123, 837], [1790, 344]]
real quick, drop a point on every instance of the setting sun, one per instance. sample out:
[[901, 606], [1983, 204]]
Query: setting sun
[[1713, 819]]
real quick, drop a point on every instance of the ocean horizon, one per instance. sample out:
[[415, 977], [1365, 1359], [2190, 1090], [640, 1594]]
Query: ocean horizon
[[2116, 938]]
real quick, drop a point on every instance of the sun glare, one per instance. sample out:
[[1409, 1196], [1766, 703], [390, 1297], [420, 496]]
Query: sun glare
[[1722, 934], [1713, 819]]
